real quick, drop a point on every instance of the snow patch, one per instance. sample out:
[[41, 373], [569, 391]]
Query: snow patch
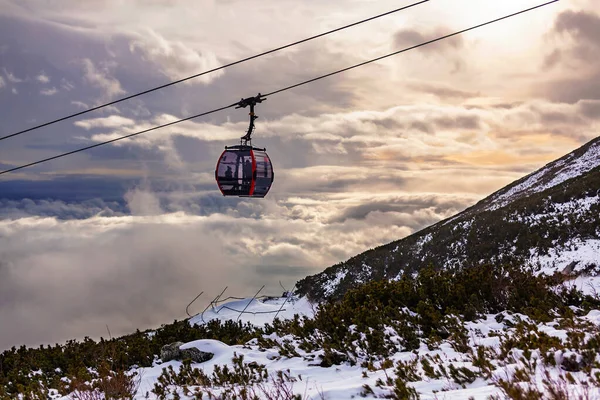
[[422, 242], [257, 312], [583, 253], [330, 286]]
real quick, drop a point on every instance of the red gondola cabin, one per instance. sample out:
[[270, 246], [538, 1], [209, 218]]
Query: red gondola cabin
[[244, 171]]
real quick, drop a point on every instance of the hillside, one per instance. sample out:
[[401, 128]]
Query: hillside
[[520, 336], [548, 220]]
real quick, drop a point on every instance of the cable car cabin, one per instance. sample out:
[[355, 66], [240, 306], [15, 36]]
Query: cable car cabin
[[244, 171]]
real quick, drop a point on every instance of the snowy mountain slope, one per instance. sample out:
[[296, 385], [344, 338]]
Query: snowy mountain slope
[[572, 165], [376, 343], [445, 370], [548, 220], [345, 382]]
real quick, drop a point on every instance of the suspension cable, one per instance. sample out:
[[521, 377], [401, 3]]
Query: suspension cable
[[409, 48], [281, 90], [211, 70], [116, 139]]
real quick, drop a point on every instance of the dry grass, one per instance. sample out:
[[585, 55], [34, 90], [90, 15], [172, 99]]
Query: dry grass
[[112, 386]]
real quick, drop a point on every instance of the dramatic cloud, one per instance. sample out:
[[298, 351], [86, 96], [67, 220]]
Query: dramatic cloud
[[590, 108], [409, 37], [11, 77], [140, 271], [407, 132], [80, 104], [448, 51], [43, 78], [2, 82], [112, 121], [66, 85], [126, 273], [582, 25], [442, 91], [175, 59], [49, 92], [23, 208], [578, 48], [100, 78]]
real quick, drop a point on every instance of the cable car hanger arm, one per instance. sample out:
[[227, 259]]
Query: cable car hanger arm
[[250, 101]]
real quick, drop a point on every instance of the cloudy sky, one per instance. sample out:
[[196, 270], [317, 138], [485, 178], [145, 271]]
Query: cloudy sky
[[127, 234]]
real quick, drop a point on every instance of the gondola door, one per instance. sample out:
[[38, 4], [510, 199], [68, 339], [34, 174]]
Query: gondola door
[[263, 174]]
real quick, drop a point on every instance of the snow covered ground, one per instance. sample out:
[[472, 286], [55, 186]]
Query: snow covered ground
[[345, 381], [579, 253], [589, 285], [257, 312]]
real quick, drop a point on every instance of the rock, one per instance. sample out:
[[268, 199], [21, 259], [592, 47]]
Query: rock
[[173, 352], [332, 357], [196, 355], [170, 351], [572, 363], [569, 268]]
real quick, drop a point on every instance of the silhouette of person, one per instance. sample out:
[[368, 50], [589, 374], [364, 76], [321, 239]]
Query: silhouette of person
[[247, 174], [229, 173]]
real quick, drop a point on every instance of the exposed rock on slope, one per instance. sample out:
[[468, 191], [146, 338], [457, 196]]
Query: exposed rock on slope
[[549, 220]]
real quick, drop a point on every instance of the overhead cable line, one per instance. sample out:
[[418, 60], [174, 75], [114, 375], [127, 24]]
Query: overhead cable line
[[117, 139], [212, 70], [409, 48], [283, 89]]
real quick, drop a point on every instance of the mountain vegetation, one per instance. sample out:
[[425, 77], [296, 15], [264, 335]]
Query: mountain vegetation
[[364, 328]]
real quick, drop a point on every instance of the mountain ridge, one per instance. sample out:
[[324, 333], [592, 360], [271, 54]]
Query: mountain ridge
[[546, 220]]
